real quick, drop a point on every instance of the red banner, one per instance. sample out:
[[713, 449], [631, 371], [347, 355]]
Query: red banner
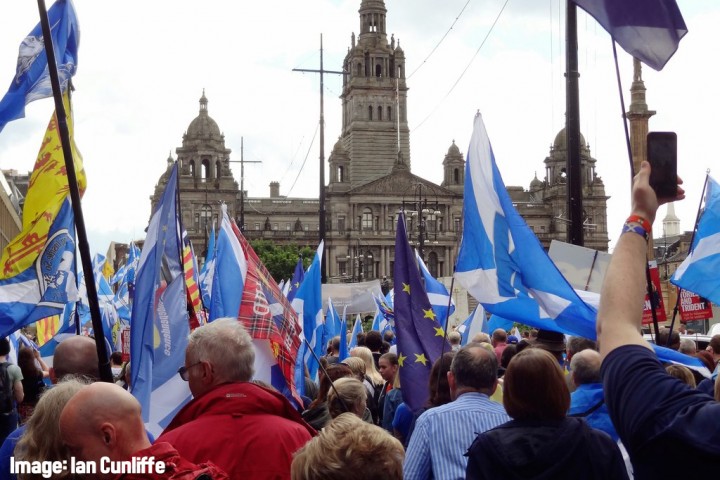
[[125, 344], [657, 294], [693, 306]]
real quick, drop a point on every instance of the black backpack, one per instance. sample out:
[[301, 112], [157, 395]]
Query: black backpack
[[7, 404]]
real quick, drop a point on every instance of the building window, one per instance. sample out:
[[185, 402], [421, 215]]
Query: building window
[[341, 224], [342, 269], [257, 226], [340, 174], [370, 112], [192, 168], [433, 264], [456, 176], [367, 219], [287, 227], [378, 70], [205, 173], [380, 113], [389, 115], [457, 225], [359, 69], [275, 226]]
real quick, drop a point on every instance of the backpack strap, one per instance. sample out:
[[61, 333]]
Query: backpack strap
[[589, 411]]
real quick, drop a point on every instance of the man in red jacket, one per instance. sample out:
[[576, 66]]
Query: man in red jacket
[[247, 430], [102, 428]]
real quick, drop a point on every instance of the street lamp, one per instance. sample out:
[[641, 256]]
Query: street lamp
[[361, 259], [424, 212]]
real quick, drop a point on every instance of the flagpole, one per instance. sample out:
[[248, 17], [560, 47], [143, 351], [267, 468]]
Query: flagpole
[[103, 362], [692, 240]]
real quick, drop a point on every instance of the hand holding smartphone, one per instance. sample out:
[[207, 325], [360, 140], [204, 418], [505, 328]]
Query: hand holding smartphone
[[662, 156]]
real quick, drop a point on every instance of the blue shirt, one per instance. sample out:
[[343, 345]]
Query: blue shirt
[[584, 398], [659, 418], [7, 450], [443, 434]]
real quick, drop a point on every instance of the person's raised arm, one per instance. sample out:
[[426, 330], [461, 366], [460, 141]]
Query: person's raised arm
[[624, 286]]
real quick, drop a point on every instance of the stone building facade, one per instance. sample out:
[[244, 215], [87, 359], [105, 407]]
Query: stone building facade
[[370, 179]]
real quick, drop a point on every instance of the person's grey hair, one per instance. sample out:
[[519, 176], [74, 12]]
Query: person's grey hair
[[475, 367], [226, 345], [454, 338], [585, 367], [688, 346]]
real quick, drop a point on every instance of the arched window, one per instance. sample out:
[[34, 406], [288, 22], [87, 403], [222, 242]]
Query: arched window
[[359, 69], [341, 174], [378, 70], [367, 219], [389, 115], [433, 264], [205, 170], [370, 112], [379, 113], [192, 168], [456, 176]]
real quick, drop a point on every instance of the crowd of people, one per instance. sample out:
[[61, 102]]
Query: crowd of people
[[542, 406]]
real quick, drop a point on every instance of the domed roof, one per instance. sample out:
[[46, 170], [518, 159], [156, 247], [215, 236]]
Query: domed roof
[[339, 149], [561, 141], [453, 150], [203, 125], [536, 183]]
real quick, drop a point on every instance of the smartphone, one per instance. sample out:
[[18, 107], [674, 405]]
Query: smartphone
[[662, 156]]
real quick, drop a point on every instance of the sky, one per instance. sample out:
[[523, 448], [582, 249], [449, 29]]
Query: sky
[[143, 66]]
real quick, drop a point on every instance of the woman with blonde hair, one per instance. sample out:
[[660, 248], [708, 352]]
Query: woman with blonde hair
[[373, 381], [41, 440], [348, 395], [350, 449]]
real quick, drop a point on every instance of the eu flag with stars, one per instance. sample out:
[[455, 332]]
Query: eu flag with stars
[[32, 80], [420, 338]]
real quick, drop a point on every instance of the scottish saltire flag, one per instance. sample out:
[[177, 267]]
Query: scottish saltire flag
[[699, 271], [332, 324], [296, 280], [474, 324], [207, 272], [649, 30], [231, 268], [344, 347], [43, 289], [420, 338], [437, 294], [501, 262], [32, 80], [271, 321], [159, 326], [379, 322], [357, 329], [308, 305]]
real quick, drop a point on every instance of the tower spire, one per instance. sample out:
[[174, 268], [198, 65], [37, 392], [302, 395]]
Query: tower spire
[[639, 115]]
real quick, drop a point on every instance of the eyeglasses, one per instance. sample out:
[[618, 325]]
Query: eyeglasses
[[183, 371]]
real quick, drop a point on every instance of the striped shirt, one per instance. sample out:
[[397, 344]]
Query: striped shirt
[[443, 434]]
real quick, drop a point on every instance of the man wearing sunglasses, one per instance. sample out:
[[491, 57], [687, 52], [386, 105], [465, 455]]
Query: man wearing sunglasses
[[247, 430]]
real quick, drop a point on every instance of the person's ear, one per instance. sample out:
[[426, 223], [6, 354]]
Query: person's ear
[[108, 435]]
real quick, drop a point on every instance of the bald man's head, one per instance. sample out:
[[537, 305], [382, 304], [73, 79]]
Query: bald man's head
[[77, 355], [103, 420], [585, 367]]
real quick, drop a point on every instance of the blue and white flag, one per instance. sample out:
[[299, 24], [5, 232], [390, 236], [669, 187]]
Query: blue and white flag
[[357, 330], [437, 294], [159, 328], [230, 272], [308, 305], [32, 80], [296, 281], [698, 273], [42, 290], [344, 350], [649, 30], [474, 324], [502, 263], [332, 324], [207, 272]]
